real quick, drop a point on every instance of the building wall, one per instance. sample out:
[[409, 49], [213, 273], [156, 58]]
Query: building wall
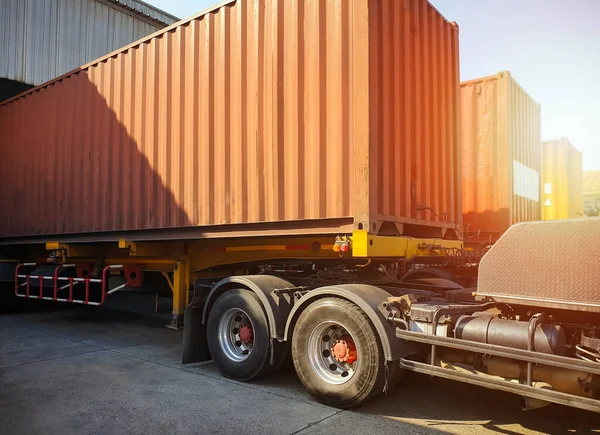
[[44, 39], [591, 193]]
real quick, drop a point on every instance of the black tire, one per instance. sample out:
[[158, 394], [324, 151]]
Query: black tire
[[257, 363], [369, 378]]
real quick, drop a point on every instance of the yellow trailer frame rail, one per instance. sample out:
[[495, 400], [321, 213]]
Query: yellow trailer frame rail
[[182, 262]]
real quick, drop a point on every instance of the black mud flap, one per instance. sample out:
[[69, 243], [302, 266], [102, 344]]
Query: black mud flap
[[195, 345]]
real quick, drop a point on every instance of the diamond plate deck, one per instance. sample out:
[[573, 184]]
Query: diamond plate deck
[[548, 264]]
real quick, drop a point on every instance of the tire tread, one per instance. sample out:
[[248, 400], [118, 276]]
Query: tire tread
[[364, 323]]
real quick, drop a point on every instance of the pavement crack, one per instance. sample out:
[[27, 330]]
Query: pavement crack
[[252, 387], [221, 379], [54, 334], [100, 347], [317, 422], [51, 359], [140, 358]]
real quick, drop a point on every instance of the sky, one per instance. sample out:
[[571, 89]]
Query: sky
[[551, 48]]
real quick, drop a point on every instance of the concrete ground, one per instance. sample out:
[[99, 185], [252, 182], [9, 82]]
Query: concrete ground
[[117, 371]]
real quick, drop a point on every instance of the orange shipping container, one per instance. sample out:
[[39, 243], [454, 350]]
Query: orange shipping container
[[562, 180], [501, 156], [299, 116]]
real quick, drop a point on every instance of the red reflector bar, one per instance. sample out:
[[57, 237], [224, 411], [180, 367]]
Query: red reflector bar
[[298, 247], [266, 248]]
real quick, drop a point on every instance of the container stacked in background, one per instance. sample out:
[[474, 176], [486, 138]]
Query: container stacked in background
[[562, 180], [255, 117], [501, 156]]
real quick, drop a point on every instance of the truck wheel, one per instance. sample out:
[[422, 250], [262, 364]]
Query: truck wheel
[[337, 353], [238, 336]]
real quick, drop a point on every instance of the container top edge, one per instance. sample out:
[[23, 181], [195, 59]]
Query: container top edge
[[476, 80], [454, 24], [562, 141]]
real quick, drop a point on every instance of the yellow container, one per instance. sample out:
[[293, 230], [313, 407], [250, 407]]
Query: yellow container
[[591, 193], [562, 180]]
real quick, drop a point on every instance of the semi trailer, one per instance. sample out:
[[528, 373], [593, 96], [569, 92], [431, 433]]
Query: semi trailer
[[291, 172], [352, 315]]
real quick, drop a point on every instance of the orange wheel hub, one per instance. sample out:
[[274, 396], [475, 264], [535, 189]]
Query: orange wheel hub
[[246, 334], [344, 350]]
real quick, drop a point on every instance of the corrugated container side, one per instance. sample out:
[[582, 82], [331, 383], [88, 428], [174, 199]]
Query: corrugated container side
[[257, 111], [562, 179], [485, 163], [415, 87], [501, 155], [526, 148], [241, 115]]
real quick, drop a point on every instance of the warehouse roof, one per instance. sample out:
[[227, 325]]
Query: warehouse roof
[[44, 39], [146, 10]]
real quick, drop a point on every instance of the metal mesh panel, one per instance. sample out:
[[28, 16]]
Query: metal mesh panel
[[551, 264]]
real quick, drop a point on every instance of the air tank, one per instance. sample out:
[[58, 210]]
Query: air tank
[[549, 338]]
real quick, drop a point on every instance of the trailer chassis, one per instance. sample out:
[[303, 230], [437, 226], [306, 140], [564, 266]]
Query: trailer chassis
[[281, 304]]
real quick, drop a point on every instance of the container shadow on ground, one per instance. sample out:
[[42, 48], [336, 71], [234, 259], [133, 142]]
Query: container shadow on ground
[[461, 408], [140, 388], [105, 179], [438, 405], [106, 392], [102, 370]]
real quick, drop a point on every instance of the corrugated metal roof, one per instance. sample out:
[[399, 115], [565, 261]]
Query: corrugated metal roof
[[44, 39], [147, 10]]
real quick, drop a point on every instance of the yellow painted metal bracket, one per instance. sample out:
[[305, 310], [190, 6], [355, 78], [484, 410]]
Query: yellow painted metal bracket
[[163, 250], [76, 250], [131, 246], [365, 245], [169, 281], [207, 254], [181, 282]]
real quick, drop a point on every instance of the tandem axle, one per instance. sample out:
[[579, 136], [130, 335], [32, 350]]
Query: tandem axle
[[352, 317]]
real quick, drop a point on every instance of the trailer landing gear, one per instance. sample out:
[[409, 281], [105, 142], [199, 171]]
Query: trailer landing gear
[[176, 322], [179, 287]]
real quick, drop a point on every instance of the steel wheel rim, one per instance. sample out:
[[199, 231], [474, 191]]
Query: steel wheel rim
[[321, 357], [230, 326]]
